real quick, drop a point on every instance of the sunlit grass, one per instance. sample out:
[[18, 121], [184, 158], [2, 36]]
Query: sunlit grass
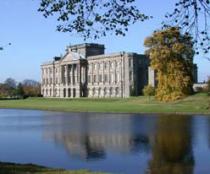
[[198, 103]]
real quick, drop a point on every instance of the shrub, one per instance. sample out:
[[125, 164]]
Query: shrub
[[208, 84], [149, 90]]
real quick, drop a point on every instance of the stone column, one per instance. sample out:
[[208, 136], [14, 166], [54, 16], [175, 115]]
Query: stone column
[[71, 75], [109, 79], [115, 72], [78, 77], [61, 74], [66, 75], [103, 72], [97, 74], [92, 69]]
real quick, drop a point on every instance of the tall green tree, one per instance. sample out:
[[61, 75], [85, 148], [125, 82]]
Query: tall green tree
[[171, 54], [10, 86], [31, 88], [20, 90]]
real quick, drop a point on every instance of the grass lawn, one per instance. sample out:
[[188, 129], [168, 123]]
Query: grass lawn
[[11, 168], [198, 103]]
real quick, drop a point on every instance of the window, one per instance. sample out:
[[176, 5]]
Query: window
[[117, 77], [105, 78], [130, 76], [130, 62], [112, 78], [95, 66], [74, 92], [100, 78], [69, 80], [113, 65], [94, 91], [105, 65], [99, 91], [94, 78], [105, 92], [69, 92], [90, 67], [111, 91], [117, 91], [89, 78]]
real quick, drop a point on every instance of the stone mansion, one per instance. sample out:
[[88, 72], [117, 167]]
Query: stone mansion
[[85, 71]]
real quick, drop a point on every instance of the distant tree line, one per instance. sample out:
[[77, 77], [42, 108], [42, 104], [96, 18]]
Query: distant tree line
[[28, 88]]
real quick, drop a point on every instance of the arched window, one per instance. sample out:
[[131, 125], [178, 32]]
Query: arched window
[[69, 92], [74, 92]]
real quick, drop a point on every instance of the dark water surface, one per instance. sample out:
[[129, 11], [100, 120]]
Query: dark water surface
[[116, 143]]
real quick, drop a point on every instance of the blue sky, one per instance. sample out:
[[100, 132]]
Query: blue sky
[[35, 39]]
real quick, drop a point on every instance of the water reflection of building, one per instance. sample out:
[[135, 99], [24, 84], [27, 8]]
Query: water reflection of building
[[90, 137], [172, 146]]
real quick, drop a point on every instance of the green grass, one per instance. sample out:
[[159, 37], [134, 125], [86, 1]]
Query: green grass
[[198, 103], [11, 168]]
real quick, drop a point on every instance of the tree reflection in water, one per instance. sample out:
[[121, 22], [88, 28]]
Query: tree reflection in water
[[172, 146]]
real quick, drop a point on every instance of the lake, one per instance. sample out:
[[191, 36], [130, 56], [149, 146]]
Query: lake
[[115, 143]]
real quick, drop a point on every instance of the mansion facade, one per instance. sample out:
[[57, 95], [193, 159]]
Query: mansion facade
[[85, 71]]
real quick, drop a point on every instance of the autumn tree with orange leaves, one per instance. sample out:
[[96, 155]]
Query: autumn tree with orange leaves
[[171, 54]]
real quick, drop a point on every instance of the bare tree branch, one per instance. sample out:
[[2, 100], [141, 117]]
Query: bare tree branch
[[193, 17], [93, 18]]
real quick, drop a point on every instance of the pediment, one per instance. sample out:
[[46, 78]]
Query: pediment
[[72, 56]]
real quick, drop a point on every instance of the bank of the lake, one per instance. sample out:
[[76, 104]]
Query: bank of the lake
[[12, 168], [195, 104]]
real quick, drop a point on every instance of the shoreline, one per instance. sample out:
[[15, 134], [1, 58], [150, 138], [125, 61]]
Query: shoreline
[[102, 112], [20, 168]]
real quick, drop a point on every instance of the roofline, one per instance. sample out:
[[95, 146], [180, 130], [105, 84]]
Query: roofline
[[114, 54], [86, 45]]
